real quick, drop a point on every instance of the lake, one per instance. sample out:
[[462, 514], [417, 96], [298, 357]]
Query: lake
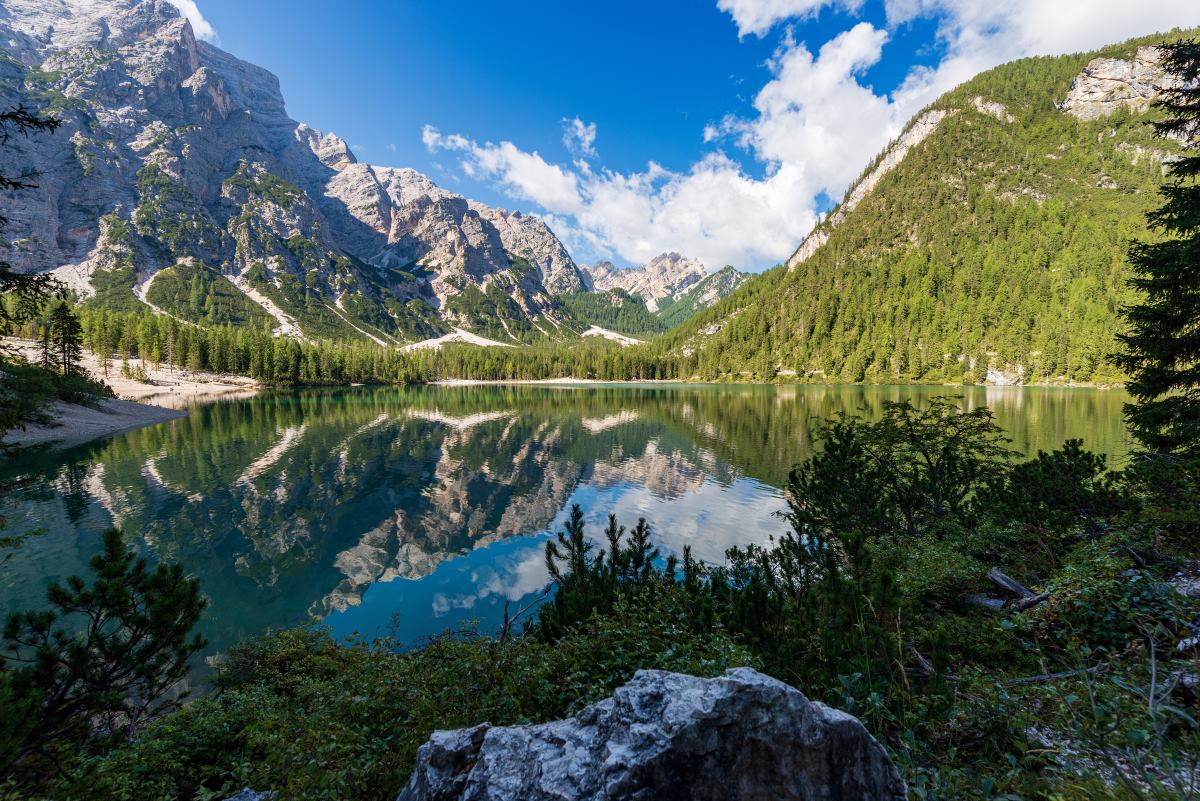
[[416, 510]]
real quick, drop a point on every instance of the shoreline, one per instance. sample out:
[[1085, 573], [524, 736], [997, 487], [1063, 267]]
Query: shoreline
[[164, 387], [76, 423], [485, 382], [164, 395], [494, 382]]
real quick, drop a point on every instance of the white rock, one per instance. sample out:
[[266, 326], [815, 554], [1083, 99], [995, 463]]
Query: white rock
[[739, 737], [1107, 84]]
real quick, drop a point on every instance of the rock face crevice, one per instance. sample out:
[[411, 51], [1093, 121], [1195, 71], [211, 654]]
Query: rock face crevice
[[665, 736]]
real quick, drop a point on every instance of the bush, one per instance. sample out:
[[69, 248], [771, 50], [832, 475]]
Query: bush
[[1055, 491], [1103, 600], [97, 664], [312, 718]]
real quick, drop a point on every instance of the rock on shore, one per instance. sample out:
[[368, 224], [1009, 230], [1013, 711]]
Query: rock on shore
[[663, 736]]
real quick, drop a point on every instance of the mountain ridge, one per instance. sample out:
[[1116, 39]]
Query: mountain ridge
[[990, 249], [192, 151]]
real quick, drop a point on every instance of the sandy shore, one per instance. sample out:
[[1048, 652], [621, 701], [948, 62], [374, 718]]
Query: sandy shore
[[162, 396], [172, 388], [78, 424]]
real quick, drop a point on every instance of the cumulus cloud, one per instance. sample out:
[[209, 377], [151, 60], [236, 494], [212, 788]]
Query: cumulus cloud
[[759, 16], [511, 578], [579, 137], [815, 123], [979, 34], [200, 26]]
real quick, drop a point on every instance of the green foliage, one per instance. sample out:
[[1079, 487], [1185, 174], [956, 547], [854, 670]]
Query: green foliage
[[270, 187], [874, 613], [169, 214], [615, 310], [196, 293], [315, 719], [1167, 493], [869, 603], [1055, 490], [1162, 348], [64, 339], [591, 581], [26, 389], [491, 313], [722, 282], [989, 245], [94, 666], [920, 468], [1097, 599]]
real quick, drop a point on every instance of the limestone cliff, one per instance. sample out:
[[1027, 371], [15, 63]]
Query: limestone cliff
[[174, 151]]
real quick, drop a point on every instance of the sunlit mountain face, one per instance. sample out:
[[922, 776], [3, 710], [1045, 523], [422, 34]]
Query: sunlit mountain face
[[423, 509]]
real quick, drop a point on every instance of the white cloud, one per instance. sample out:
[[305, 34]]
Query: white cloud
[[815, 123], [981, 34], [392, 147], [511, 578], [200, 26], [759, 16], [579, 137], [525, 175]]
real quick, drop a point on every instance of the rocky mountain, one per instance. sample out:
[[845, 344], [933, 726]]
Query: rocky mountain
[[987, 243], [177, 166], [666, 291], [700, 296], [661, 280]]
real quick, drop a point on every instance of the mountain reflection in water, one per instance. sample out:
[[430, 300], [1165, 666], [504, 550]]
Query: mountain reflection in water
[[425, 508]]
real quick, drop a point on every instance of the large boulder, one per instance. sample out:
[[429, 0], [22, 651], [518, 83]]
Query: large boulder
[[739, 737]]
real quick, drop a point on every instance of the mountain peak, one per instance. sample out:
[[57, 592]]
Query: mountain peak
[[190, 154], [658, 282]]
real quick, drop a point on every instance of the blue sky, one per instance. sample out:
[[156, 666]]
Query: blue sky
[[720, 129]]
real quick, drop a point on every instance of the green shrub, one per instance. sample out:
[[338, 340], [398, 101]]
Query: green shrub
[[1102, 599]]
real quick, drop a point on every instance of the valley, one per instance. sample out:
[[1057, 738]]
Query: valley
[[749, 400], [993, 228]]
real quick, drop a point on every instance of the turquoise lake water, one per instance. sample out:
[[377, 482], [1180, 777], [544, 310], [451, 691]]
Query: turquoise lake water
[[416, 510]]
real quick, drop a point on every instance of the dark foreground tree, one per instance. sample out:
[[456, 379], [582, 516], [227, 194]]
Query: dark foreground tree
[[26, 292], [1162, 346], [95, 665]]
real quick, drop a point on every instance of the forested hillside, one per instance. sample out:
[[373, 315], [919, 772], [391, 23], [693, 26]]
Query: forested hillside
[[998, 242]]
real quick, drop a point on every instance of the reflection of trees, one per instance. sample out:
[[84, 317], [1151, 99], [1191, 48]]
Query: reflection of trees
[[299, 502], [74, 496]]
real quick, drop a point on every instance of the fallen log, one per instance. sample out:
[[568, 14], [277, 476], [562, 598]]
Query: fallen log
[[1026, 597], [1044, 677]]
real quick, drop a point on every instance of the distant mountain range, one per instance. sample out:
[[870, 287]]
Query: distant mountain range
[[987, 243], [178, 183], [672, 287]]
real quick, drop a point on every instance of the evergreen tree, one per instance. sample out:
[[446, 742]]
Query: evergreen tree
[[1162, 346], [95, 665], [67, 335], [47, 345], [27, 291]]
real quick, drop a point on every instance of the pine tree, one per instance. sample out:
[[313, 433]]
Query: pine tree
[[47, 345], [97, 664], [1162, 346], [28, 291], [67, 335]]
